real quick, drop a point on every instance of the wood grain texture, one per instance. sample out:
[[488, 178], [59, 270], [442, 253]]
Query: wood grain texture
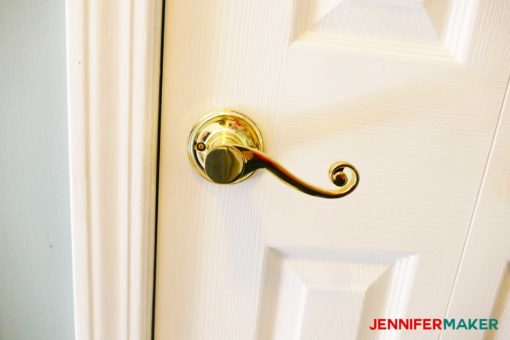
[[418, 129], [113, 85], [323, 294], [482, 286], [435, 30]]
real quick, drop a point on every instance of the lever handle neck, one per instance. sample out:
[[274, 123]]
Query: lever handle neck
[[226, 164]]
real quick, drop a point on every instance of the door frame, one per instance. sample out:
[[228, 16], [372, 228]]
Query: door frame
[[113, 68]]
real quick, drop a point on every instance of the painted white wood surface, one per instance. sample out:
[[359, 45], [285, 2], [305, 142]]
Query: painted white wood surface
[[414, 105], [113, 88], [482, 288]]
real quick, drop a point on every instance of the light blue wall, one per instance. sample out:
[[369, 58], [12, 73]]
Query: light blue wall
[[35, 242]]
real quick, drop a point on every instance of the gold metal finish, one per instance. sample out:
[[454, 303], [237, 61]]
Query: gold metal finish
[[226, 147], [220, 128]]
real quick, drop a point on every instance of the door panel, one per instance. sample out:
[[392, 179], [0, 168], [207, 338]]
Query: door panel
[[408, 91], [483, 284]]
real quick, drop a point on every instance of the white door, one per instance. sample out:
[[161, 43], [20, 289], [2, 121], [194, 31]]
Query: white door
[[408, 91]]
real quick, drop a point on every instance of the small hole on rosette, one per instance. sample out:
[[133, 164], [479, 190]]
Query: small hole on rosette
[[200, 146]]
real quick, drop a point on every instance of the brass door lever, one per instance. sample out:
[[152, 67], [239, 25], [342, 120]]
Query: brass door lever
[[226, 147]]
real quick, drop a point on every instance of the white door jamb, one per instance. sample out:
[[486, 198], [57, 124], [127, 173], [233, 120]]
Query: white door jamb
[[113, 67]]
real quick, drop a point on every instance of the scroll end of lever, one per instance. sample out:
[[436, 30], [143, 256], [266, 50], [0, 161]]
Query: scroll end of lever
[[340, 178]]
